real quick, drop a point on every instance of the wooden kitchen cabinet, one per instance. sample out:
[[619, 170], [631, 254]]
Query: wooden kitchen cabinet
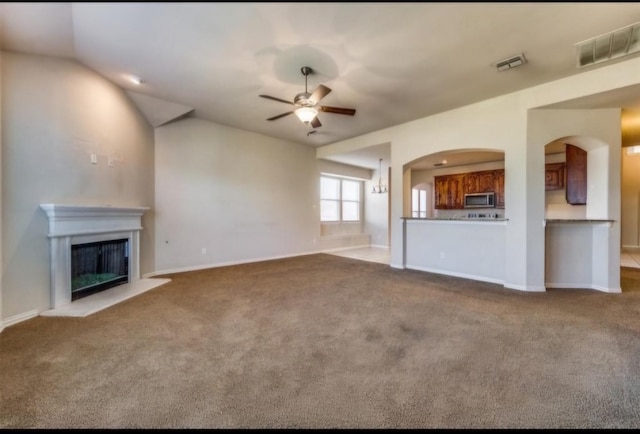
[[554, 174], [576, 175], [471, 183], [486, 181], [499, 187], [456, 190], [450, 189], [441, 190]]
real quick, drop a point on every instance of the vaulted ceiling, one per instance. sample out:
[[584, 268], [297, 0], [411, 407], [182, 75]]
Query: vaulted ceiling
[[391, 62]]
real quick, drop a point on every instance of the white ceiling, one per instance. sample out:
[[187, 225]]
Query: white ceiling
[[392, 62]]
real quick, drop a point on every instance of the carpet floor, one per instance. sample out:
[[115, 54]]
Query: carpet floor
[[321, 341]]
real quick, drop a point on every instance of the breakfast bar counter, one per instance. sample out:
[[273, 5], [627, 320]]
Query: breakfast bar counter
[[579, 254], [472, 248]]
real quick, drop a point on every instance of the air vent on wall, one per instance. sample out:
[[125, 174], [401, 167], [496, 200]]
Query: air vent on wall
[[621, 42]]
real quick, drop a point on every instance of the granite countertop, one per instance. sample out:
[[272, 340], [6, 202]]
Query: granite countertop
[[464, 219], [578, 221]]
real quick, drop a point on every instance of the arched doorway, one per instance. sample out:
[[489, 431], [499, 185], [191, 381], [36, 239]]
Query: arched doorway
[[579, 247]]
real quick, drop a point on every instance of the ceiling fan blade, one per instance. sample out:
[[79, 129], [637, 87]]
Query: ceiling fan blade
[[279, 116], [315, 123], [320, 92], [276, 99], [338, 110]]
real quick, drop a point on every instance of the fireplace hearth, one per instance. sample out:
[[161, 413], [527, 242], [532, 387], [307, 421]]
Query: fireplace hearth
[[116, 232]]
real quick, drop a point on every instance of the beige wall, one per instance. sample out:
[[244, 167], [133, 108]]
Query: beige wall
[[630, 200], [503, 124], [240, 196], [61, 113]]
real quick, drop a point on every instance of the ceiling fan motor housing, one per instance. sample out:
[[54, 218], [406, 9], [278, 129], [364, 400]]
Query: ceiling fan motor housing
[[302, 100]]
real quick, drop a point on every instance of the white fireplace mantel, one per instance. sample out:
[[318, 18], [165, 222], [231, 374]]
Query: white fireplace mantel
[[78, 224], [65, 220]]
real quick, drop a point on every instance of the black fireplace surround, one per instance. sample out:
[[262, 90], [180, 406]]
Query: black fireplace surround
[[98, 266]]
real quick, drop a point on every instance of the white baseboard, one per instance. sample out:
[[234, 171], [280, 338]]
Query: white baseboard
[[583, 286], [228, 263], [379, 246], [455, 274], [525, 288], [17, 319]]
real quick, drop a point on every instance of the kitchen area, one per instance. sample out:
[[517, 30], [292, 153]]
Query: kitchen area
[[463, 231]]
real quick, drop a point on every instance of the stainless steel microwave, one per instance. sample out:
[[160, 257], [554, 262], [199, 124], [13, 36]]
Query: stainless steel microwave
[[480, 200]]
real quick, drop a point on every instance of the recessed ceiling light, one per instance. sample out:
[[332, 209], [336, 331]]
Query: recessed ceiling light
[[135, 79]]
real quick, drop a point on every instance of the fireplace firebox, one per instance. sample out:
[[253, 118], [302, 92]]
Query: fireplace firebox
[[98, 266]]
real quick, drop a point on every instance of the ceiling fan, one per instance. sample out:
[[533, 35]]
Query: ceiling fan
[[306, 105]]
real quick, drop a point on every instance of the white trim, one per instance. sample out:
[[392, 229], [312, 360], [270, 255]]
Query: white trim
[[339, 249], [583, 286], [67, 220], [229, 263], [18, 318], [334, 175], [525, 288], [455, 274], [379, 246]]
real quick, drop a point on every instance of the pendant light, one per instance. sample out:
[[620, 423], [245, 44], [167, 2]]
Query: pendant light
[[380, 188]]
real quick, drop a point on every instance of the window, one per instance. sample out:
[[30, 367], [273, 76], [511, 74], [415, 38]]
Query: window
[[339, 200], [418, 203]]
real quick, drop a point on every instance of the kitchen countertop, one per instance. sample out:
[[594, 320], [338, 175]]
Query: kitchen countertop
[[458, 219], [579, 221]]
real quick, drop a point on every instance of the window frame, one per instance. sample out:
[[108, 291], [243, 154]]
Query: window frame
[[341, 200], [422, 195]]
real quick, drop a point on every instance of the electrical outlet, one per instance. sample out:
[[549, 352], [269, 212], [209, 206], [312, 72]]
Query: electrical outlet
[[94, 159], [204, 250]]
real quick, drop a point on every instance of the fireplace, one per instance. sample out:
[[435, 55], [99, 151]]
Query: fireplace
[[98, 266], [75, 230]]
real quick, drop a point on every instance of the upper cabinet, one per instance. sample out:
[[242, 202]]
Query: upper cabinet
[[554, 176], [499, 187], [441, 188], [576, 177], [450, 189]]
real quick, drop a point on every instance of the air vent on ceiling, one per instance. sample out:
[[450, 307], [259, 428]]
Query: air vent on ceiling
[[511, 62], [621, 42]]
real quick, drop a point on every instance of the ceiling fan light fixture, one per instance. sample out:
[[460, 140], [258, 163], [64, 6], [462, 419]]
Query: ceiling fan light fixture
[[305, 104], [306, 114]]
